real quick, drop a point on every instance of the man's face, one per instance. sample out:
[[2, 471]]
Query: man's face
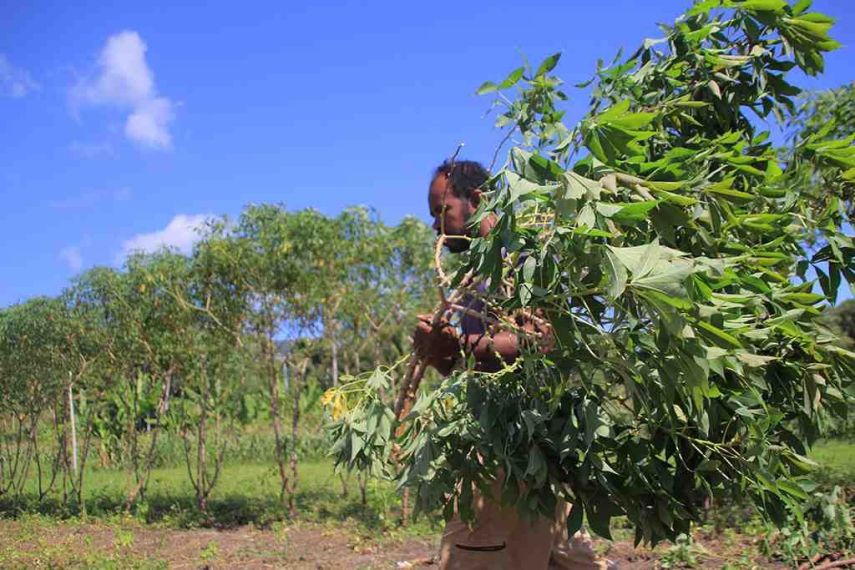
[[450, 213]]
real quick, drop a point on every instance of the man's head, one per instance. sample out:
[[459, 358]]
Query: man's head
[[454, 195]]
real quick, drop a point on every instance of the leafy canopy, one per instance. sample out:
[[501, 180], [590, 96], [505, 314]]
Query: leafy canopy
[[664, 238]]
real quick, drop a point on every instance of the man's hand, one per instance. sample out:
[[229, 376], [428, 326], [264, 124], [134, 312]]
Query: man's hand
[[437, 345], [489, 350]]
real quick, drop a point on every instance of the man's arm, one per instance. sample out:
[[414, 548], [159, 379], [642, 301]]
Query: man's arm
[[489, 350], [440, 346]]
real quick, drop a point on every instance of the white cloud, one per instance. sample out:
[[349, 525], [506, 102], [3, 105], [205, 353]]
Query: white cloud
[[124, 80], [71, 255], [181, 233], [14, 81], [147, 124]]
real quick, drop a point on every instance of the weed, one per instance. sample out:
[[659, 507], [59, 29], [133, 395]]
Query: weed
[[211, 551], [123, 539], [684, 553]]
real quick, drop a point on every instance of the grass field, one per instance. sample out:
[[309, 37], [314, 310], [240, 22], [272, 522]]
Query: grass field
[[245, 525], [837, 457], [246, 494]]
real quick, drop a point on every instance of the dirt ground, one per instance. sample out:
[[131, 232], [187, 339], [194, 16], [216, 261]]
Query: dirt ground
[[35, 543]]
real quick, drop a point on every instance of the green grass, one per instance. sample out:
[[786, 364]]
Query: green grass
[[245, 494], [837, 458], [249, 494]]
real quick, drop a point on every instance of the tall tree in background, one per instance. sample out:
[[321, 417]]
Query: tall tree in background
[[822, 133], [268, 273], [159, 351], [33, 382]]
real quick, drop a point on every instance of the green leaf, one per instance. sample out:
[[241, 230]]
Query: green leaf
[[574, 520], [486, 87], [528, 268], [520, 187], [548, 64], [615, 131], [703, 7], [599, 510], [536, 467], [616, 274], [792, 488], [525, 294], [586, 217], [356, 444], [801, 6], [634, 213], [719, 336], [714, 88], [754, 360], [723, 189], [512, 78], [676, 302], [762, 5], [674, 198], [592, 232], [803, 298]]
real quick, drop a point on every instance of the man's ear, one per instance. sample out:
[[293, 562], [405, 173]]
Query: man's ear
[[475, 197]]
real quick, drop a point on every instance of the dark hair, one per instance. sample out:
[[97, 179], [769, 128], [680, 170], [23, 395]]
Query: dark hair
[[464, 175]]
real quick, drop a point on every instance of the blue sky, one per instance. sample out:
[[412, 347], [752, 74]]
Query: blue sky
[[123, 123]]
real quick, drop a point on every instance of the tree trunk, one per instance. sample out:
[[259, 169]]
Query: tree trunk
[[295, 425], [201, 450], [273, 385], [142, 478], [11, 463], [334, 354], [73, 429], [87, 440], [406, 511], [363, 488]]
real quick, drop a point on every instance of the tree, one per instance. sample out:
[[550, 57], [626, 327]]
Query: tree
[[821, 133], [155, 352], [48, 355], [828, 114], [89, 358], [214, 379], [32, 380], [387, 280], [842, 320], [268, 259], [671, 262]]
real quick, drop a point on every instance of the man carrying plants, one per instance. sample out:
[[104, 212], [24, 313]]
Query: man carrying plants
[[681, 264], [498, 537]]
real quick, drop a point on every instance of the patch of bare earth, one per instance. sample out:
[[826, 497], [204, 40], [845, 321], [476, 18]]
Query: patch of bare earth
[[24, 545], [27, 544]]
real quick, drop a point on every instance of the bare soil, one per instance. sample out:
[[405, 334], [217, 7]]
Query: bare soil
[[38, 542]]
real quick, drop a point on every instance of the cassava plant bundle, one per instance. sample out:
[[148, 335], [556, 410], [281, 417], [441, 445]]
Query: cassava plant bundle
[[683, 264]]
